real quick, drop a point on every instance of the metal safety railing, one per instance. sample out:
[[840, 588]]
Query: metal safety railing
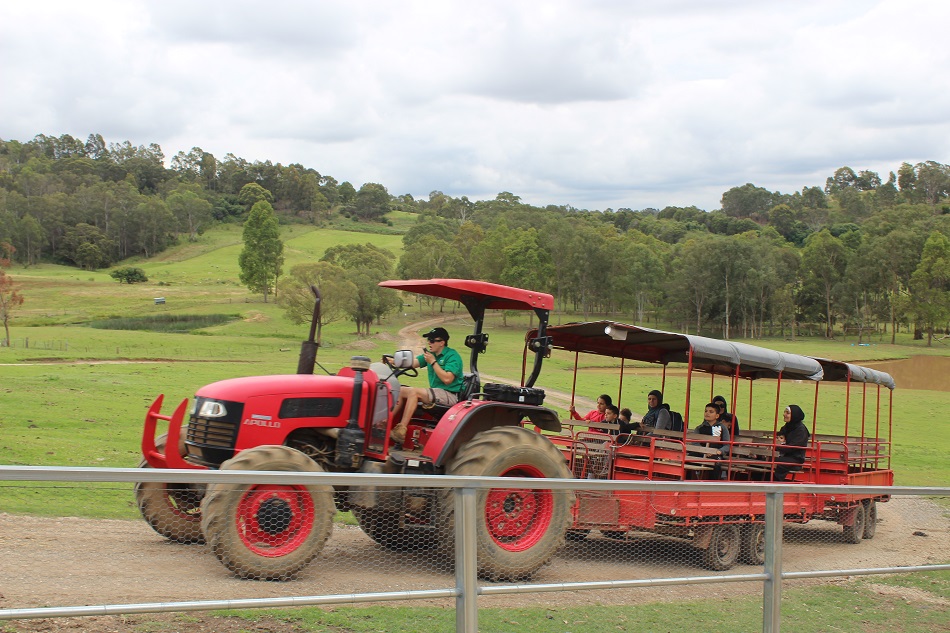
[[467, 588]]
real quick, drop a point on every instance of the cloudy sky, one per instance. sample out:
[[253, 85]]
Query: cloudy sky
[[592, 104]]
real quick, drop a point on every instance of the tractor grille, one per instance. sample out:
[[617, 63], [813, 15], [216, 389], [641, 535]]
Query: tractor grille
[[212, 441]]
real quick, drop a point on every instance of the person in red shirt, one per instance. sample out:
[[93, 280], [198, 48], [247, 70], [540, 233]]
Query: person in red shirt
[[595, 415]]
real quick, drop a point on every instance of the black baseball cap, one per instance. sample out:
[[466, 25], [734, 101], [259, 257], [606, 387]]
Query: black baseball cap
[[437, 332]]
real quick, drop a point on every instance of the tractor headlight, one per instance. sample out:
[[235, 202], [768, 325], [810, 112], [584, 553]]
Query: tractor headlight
[[212, 409]]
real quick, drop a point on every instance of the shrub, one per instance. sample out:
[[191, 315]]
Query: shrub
[[128, 274]]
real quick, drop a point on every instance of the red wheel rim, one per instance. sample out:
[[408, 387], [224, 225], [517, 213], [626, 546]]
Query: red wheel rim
[[274, 520], [518, 519]]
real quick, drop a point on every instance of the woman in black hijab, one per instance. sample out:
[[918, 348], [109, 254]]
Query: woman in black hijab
[[793, 437]]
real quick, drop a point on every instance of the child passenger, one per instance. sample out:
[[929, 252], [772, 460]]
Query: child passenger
[[713, 425]]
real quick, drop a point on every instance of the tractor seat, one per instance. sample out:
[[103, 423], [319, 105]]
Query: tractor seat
[[470, 386]]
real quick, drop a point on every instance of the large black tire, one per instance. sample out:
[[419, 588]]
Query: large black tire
[[752, 550], [870, 518], [855, 532], [518, 531], [173, 510], [383, 526], [723, 550], [265, 531]]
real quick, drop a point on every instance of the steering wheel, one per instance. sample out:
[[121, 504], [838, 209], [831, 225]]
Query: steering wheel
[[412, 372]]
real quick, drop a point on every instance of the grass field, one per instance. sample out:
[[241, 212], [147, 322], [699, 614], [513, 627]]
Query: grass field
[[73, 395]]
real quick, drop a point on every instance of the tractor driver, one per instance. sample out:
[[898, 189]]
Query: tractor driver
[[445, 380]]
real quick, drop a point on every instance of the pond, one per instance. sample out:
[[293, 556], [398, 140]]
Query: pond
[[918, 372]]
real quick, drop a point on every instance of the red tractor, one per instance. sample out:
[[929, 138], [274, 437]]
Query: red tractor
[[342, 423]]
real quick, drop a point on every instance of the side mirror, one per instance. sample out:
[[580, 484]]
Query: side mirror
[[403, 359]]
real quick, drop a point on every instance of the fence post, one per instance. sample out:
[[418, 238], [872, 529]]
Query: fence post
[[772, 588], [466, 563]]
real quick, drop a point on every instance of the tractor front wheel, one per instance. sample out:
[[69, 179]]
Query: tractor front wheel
[[173, 510], [517, 530], [268, 531]]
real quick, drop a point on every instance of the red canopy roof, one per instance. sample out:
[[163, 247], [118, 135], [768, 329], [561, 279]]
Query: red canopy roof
[[490, 296]]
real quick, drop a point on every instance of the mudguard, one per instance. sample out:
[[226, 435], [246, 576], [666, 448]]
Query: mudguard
[[464, 420]]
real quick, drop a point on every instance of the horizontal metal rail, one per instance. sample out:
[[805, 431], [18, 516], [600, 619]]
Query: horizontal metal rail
[[75, 474]]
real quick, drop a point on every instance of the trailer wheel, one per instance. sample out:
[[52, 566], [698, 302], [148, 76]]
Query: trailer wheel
[[518, 530], [723, 550], [855, 532], [383, 526], [173, 510], [870, 518], [267, 531], [753, 544]]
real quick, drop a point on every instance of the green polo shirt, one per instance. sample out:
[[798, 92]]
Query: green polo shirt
[[451, 361]]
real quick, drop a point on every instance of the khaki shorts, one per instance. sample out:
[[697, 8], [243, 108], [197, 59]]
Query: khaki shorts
[[443, 398]]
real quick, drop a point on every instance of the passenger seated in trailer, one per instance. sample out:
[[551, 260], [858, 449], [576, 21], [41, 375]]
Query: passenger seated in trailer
[[612, 416], [712, 425], [654, 400], [793, 437], [729, 419], [594, 415], [627, 426]]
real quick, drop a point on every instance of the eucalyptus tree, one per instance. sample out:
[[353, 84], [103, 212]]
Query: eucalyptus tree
[[933, 179], [639, 274], [693, 278], [338, 294], [930, 285], [366, 265], [192, 212], [262, 257], [824, 260], [371, 202]]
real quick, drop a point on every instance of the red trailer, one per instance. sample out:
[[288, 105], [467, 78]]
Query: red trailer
[[729, 526]]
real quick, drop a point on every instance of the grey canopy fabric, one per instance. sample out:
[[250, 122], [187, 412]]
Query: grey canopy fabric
[[836, 370], [610, 338]]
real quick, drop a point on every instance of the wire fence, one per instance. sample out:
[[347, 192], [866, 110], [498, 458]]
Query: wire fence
[[358, 538]]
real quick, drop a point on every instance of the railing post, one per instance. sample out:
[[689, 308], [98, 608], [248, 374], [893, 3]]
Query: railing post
[[772, 588], [466, 562]]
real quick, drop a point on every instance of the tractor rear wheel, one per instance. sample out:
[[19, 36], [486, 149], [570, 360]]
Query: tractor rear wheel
[[267, 531], [723, 550], [517, 531], [173, 510]]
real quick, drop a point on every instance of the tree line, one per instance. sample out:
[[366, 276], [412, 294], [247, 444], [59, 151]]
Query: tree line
[[859, 255]]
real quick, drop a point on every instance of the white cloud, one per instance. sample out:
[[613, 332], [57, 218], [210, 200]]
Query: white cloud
[[589, 104]]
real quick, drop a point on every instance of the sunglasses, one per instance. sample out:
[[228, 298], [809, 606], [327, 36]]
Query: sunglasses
[[436, 340]]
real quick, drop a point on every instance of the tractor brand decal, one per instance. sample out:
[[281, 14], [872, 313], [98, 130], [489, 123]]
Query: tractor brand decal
[[262, 420]]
